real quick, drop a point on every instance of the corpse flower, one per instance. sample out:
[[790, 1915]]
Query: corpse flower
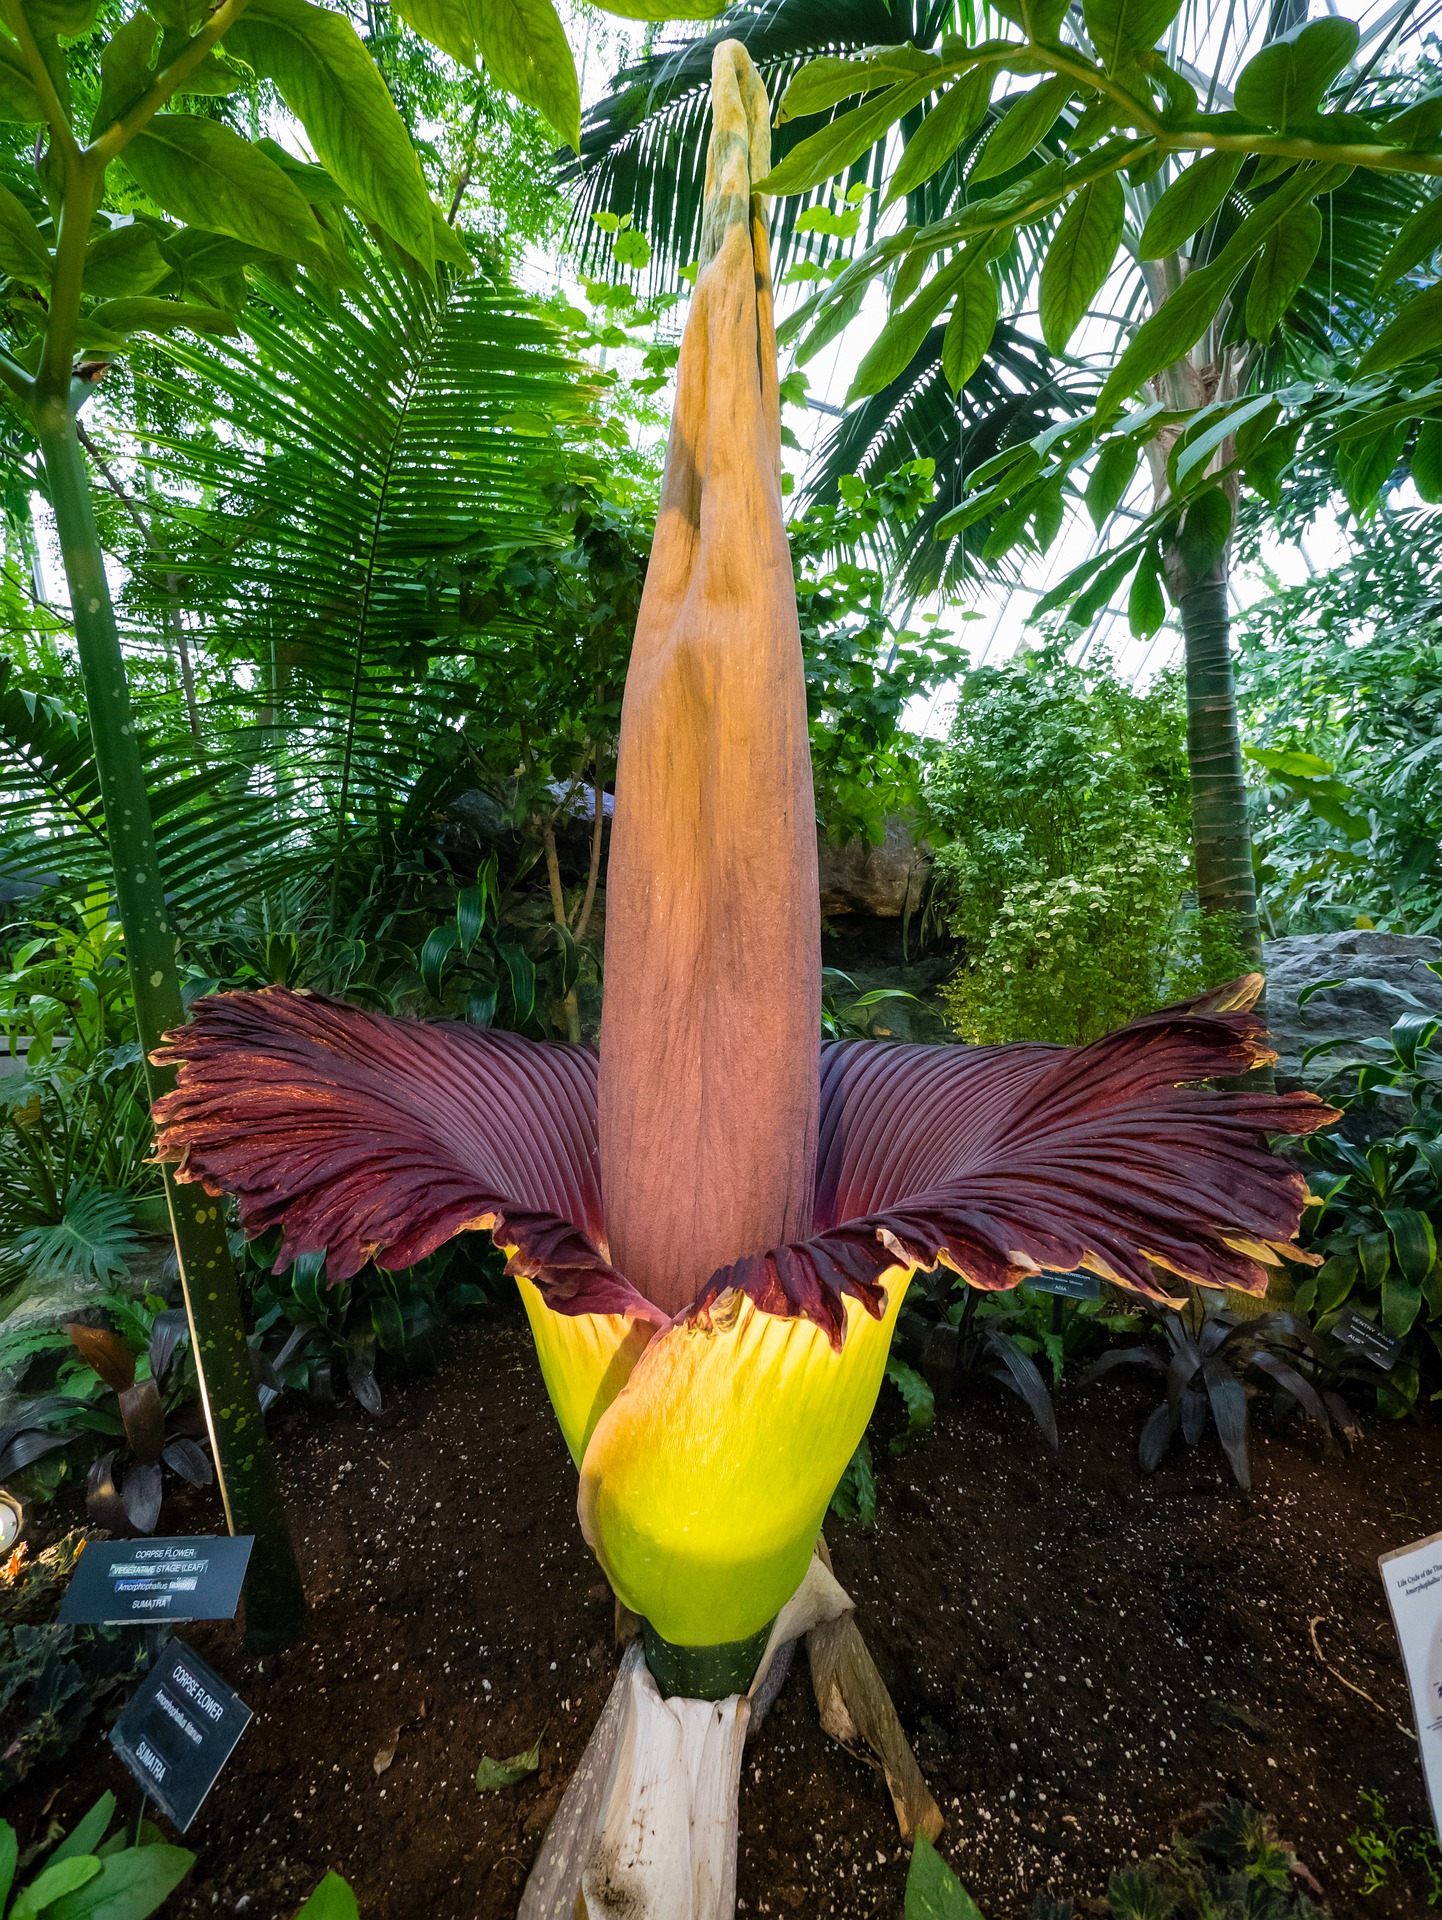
[[713, 1222]]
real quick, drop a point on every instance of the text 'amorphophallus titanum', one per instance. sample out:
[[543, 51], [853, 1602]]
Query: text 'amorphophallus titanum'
[[713, 1224]]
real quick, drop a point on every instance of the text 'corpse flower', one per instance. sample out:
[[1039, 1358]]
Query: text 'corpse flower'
[[713, 1225]]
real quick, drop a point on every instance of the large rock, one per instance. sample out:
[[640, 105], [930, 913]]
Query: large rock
[[885, 880], [1356, 1011]]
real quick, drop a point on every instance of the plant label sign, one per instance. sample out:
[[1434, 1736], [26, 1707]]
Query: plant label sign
[[1412, 1577], [1355, 1330], [145, 1583], [1067, 1286], [178, 1731]]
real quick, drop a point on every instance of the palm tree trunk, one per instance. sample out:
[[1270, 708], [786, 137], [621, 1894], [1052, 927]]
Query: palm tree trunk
[[275, 1605], [1221, 843]]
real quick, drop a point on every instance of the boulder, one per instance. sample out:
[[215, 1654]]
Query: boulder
[[1357, 1011], [884, 880]]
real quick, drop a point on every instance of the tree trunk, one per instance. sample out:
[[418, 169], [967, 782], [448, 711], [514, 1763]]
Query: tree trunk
[[1222, 846], [275, 1600]]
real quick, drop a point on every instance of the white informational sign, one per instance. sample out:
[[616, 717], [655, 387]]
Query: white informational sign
[[1413, 1579]]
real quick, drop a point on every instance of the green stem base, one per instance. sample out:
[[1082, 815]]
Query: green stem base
[[703, 1673]]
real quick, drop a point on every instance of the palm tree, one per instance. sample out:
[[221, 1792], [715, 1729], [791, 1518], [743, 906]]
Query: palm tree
[[952, 163]]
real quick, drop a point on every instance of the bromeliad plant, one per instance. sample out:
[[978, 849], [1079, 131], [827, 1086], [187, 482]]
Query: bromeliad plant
[[714, 1223]]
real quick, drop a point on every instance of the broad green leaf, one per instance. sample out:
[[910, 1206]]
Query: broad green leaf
[[1418, 127], [66, 18], [1188, 204], [826, 81], [1023, 127], [126, 68], [1146, 603], [491, 1774], [1413, 1241], [452, 25], [139, 315], [1418, 241], [1080, 258], [1416, 330], [1089, 604], [969, 330], [60, 1877], [896, 346], [332, 1900], [1284, 83], [1038, 19], [1205, 530], [125, 260], [23, 252], [1182, 320], [1287, 256], [218, 75], [203, 259], [959, 112], [1427, 462], [933, 1891], [86, 1835], [334, 88], [129, 1886], [315, 183], [209, 177], [525, 46], [1119, 29], [843, 141], [19, 102], [1400, 1307], [1110, 477], [663, 9], [1195, 449], [9, 1855]]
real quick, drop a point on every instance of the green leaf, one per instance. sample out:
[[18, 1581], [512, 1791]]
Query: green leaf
[[1427, 462], [129, 1886], [1110, 477], [1400, 1306], [893, 351], [1194, 450], [1284, 83], [23, 252], [19, 102], [9, 1855], [491, 1774], [139, 315], [452, 25], [125, 69], [917, 1396], [1023, 127], [933, 1891], [1413, 1241], [959, 112], [332, 1900], [1418, 240], [1119, 29], [86, 1835], [1188, 204], [1205, 530], [525, 47], [125, 260], [1080, 258], [332, 85], [663, 9], [969, 330], [1180, 323], [60, 1877], [1146, 603], [1417, 330], [843, 141], [207, 176], [66, 18], [1287, 256], [831, 78]]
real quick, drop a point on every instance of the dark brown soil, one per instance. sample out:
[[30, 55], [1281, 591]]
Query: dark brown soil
[[1084, 1659]]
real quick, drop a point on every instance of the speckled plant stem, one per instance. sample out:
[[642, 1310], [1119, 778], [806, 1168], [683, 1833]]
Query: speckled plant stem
[[275, 1599]]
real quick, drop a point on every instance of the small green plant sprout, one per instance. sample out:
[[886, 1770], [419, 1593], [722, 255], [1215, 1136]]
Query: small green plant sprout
[[933, 1891], [88, 1875], [1392, 1853], [332, 1900]]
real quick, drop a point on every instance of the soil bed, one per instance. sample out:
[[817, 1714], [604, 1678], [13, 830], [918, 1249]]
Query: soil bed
[[1083, 1657]]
